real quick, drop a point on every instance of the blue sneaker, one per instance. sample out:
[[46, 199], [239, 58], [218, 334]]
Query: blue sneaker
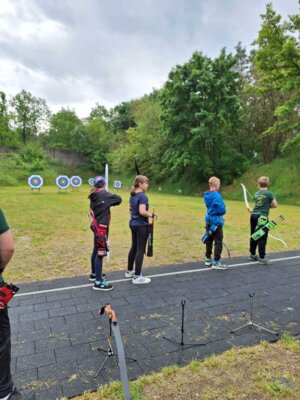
[[208, 261], [103, 285], [218, 265]]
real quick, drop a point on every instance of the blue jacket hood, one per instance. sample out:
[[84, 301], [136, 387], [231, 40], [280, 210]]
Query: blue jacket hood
[[215, 208]]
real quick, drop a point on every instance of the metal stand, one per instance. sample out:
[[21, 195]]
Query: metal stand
[[110, 351], [181, 344], [251, 323]]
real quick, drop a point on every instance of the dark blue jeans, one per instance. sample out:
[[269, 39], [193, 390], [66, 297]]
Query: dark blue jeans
[[96, 262], [6, 384]]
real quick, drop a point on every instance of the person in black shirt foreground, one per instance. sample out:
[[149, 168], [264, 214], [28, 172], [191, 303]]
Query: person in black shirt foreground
[[7, 389]]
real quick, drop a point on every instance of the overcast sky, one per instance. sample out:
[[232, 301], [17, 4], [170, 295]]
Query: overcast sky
[[75, 53]]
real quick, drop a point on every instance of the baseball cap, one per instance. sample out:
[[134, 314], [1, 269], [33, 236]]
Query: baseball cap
[[99, 182]]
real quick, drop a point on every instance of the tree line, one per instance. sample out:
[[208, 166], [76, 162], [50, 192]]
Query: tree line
[[212, 116]]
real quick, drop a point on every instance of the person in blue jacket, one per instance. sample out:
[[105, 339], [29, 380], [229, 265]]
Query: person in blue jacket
[[214, 224]]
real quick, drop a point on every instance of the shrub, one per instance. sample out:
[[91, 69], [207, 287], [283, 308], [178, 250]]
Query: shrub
[[8, 180]]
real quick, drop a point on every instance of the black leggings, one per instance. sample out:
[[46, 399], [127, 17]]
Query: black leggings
[[96, 262], [217, 237], [139, 236], [261, 243], [6, 384]]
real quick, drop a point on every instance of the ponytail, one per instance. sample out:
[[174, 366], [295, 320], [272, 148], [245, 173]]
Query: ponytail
[[136, 184]]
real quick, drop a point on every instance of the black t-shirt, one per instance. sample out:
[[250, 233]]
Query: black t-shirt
[[136, 218]]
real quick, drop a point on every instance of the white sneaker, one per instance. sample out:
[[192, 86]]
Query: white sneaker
[[140, 280], [129, 274]]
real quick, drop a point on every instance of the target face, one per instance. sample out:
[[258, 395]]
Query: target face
[[62, 181], [76, 181], [117, 184], [92, 181], [35, 181]]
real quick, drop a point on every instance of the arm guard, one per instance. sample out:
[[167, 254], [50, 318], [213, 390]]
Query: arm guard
[[7, 291]]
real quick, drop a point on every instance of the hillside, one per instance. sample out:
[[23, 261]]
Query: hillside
[[284, 177], [283, 173], [14, 172]]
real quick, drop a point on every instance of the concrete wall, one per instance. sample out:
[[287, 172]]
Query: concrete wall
[[67, 157]]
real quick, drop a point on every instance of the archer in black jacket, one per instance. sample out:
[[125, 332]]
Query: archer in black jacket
[[100, 202]]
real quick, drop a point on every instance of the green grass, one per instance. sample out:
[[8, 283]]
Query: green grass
[[284, 178], [265, 372], [53, 238]]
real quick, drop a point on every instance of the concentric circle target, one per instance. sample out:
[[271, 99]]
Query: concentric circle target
[[35, 181], [117, 184], [76, 181], [62, 181], [92, 181]]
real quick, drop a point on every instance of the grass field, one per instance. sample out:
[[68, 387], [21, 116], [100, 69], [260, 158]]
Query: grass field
[[53, 238], [263, 372]]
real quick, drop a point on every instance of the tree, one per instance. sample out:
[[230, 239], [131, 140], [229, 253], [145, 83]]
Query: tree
[[200, 105], [30, 114], [5, 133], [97, 142], [144, 142], [256, 113], [277, 60], [99, 111], [121, 117], [66, 131]]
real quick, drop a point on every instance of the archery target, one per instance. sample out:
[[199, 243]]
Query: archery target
[[35, 181], [62, 181], [117, 184], [92, 181], [76, 181]]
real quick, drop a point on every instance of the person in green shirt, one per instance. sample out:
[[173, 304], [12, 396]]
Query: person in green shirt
[[7, 389], [264, 200]]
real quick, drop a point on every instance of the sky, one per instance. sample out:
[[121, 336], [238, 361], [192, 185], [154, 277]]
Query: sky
[[76, 53]]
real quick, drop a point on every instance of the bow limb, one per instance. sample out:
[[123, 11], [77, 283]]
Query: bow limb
[[245, 198], [106, 180], [106, 175], [280, 240]]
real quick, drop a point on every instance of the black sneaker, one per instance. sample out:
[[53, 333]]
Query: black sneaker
[[92, 277], [103, 285]]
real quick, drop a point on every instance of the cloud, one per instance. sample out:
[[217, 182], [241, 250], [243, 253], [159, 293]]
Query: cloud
[[81, 52]]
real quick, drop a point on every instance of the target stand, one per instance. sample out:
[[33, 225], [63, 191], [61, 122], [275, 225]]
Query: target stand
[[251, 324], [181, 345]]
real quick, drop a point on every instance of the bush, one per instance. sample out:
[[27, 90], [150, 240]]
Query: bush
[[32, 153], [31, 158], [8, 180]]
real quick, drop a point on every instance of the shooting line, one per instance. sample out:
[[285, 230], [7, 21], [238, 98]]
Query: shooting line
[[190, 271]]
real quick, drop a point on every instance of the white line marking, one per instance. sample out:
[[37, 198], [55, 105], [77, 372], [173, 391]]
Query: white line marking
[[150, 276]]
